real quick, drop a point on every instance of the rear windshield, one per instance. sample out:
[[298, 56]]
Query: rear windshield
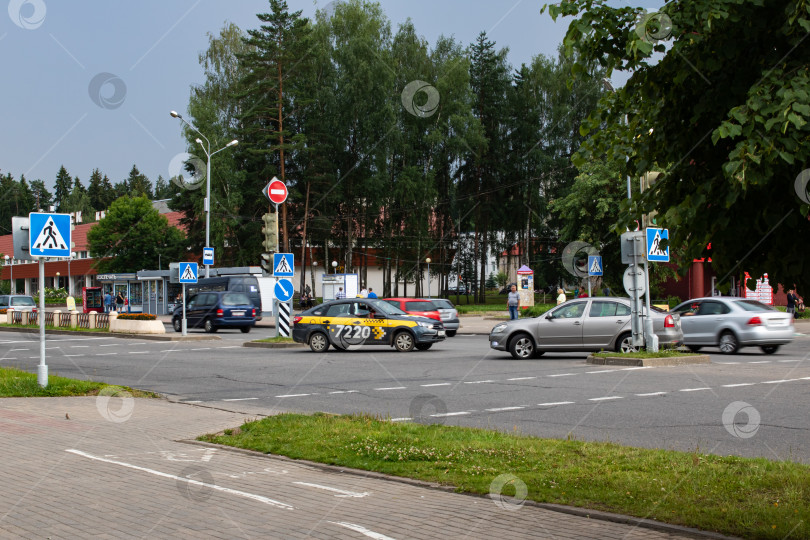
[[441, 303], [753, 305], [22, 301], [420, 306], [235, 299]]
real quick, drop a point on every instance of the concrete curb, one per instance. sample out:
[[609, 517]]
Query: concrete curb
[[658, 362], [150, 337], [572, 510], [273, 345]]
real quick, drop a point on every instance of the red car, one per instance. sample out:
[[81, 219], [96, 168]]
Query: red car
[[416, 306]]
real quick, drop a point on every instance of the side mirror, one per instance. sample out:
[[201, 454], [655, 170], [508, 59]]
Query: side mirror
[[549, 316]]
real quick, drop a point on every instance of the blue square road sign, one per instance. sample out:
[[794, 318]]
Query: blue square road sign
[[283, 265], [595, 265], [655, 253], [187, 272], [49, 235], [208, 256]]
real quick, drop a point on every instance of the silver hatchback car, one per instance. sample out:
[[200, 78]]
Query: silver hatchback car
[[584, 324], [731, 323]]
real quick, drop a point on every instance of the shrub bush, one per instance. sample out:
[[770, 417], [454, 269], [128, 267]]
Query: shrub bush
[[137, 317]]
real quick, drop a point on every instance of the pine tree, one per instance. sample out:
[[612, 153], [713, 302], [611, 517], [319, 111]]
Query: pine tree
[[95, 190], [43, 198], [62, 189], [138, 184]]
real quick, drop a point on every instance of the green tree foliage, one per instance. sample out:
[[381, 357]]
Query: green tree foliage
[[729, 108], [79, 201], [132, 235], [100, 191], [63, 187], [40, 195], [138, 184]]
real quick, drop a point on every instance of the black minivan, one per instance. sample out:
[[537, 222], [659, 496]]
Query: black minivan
[[243, 284], [216, 309]]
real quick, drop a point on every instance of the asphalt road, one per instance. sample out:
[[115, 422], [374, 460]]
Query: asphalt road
[[749, 404]]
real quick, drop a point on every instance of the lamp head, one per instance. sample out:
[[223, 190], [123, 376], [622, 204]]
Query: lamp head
[[427, 260], [175, 114], [232, 143]]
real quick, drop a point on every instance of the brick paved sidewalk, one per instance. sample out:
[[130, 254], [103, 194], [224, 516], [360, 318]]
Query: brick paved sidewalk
[[116, 468]]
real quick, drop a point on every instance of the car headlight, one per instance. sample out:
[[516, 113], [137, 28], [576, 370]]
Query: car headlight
[[499, 328], [425, 324]]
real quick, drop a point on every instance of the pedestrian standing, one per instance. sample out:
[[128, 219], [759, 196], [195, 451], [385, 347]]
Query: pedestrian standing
[[107, 302], [512, 301], [371, 293], [119, 302], [364, 293], [340, 294], [560, 296], [791, 302]]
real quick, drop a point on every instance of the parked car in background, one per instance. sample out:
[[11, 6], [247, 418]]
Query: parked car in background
[[240, 284], [732, 323], [20, 302], [460, 289], [584, 324], [416, 306], [213, 310], [448, 313]]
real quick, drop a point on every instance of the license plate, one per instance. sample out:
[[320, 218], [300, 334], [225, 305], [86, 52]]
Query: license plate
[[779, 322], [239, 313], [441, 332]]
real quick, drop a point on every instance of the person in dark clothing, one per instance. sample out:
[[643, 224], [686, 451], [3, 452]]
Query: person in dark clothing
[[119, 302], [791, 302]]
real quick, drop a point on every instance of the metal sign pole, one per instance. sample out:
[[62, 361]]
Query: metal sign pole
[[183, 333], [636, 321], [650, 339], [42, 371]]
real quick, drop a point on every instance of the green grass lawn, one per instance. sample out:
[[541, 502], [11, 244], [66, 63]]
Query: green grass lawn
[[17, 383], [69, 329], [661, 353], [278, 339], [753, 498]]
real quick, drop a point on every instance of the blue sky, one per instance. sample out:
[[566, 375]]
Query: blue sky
[[142, 58]]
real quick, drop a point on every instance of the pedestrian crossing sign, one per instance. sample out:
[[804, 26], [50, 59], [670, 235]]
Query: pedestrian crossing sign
[[283, 265], [595, 265], [187, 272], [655, 253], [49, 235]]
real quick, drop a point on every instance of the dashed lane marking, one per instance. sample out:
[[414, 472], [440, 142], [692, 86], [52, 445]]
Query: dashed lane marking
[[340, 492], [603, 371], [296, 395], [139, 352], [253, 496], [606, 398], [694, 389], [521, 378], [555, 403], [237, 399], [106, 354], [500, 409], [780, 381], [392, 388], [761, 362], [562, 375], [738, 385], [345, 392], [479, 382], [435, 384], [651, 394], [443, 415]]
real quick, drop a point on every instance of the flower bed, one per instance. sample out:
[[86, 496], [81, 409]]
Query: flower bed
[[137, 317]]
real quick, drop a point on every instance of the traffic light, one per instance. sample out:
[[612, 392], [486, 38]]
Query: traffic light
[[647, 181], [270, 231], [270, 243]]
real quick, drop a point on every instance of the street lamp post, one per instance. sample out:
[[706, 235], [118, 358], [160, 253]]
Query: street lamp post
[[334, 267], [428, 263], [58, 279], [11, 283], [208, 153], [70, 285]]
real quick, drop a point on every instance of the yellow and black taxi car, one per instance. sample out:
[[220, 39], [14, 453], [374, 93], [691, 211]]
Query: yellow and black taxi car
[[353, 322]]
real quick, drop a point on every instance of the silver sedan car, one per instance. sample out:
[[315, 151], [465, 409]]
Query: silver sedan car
[[731, 323], [584, 324]]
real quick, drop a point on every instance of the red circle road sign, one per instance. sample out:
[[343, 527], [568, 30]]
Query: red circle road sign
[[276, 191]]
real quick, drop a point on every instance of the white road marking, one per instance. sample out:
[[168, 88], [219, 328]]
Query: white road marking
[[342, 492], [231, 347], [562, 375], [401, 419], [651, 394], [478, 382], [8, 358], [253, 496], [192, 401], [392, 388], [109, 345], [12, 350], [805, 378], [106, 354], [171, 350], [344, 392], [635, 368], [604, 398], [202, 349], [728, 363], [521, 379], [761, 362], [241, 399], [779, 381], [80, 346], [362, 530], [294, 395], [69, 355], [499, 409], [738, 384], [442, 415], [138, 352], [603, 371], [694, 389], [436, 384], [553, 403], [790, 360]]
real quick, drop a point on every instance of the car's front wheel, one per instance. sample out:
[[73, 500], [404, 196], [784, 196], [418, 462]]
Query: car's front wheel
[[729, 343], [451, 333], [245, 329], [177, 324], [625, 343], [209, 326], [769, 349], [318, 342], [521, 347], [403, 342]]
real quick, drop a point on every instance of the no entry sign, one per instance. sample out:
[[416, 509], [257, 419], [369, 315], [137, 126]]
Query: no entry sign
[[276, 191]]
